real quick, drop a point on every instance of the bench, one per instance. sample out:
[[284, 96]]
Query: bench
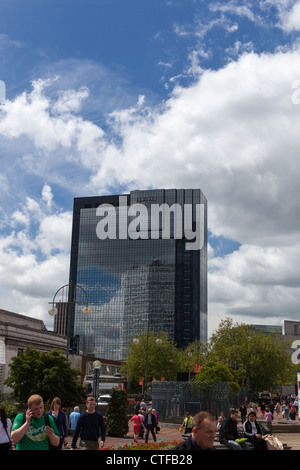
[[219, 446]]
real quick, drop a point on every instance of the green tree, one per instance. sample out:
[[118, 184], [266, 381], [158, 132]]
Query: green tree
[[193, 356], [163, 359], [262, 358], [10, 408], [47, 374], [218, 372], [116, 418]]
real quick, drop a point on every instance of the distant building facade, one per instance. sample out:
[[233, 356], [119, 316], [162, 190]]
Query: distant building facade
[[18, 332]]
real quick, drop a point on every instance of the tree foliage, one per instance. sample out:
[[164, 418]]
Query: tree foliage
[[219, 372], [263, 358], [47, 374], [193, 356], [246, 357], [163, 359]]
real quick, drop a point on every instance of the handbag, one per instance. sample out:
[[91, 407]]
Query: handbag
[[5, 446], [273, 443]]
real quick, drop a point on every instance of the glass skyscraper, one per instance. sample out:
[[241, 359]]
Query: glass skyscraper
[[142, 260]]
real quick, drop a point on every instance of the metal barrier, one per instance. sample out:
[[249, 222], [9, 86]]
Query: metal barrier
[[174, 399]]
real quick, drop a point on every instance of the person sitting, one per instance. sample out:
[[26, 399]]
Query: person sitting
[[253, 432], [228, 434]]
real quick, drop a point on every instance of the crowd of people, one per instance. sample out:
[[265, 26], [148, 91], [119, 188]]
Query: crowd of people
[[230, 434], [145, 421], [37, 430]]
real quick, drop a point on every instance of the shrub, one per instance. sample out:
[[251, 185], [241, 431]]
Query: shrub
[[116, 418]]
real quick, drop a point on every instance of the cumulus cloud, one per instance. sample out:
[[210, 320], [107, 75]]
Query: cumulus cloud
[[288, 14], [34, 256], [234, 133], [36, 117], [257, 285], [228, 133]]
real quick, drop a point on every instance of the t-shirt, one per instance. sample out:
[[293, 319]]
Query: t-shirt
[[35, 437]]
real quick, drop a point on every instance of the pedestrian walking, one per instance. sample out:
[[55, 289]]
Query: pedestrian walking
[[5, 428], [293, 414], [89, 426], [60, 420], [34, 430], [142, 416], [285, 411], [150, 423], [243, 411], [277, 409], [187, 423], [157, 428], [269, 419], [136, 426], [263, 409], [143, 405], [73, 419]]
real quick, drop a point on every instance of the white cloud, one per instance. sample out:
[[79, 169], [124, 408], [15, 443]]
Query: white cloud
[[34, 256], [70, 100], [55, 233], [291, 19], [288, 12], [234, 133], [35, 116], [47, 195], [258, 285], [234, 8]]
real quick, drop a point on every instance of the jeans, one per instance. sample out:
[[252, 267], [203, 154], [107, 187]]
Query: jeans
[[232, 445]]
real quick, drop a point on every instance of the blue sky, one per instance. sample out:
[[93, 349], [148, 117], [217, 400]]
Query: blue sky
[[104, 96]]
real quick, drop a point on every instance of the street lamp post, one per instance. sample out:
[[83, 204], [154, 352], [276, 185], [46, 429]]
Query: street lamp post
[[86, 310], [96, 366], [136, 341]]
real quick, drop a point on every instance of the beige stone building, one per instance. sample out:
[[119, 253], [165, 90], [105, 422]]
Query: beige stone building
[[18, 332]]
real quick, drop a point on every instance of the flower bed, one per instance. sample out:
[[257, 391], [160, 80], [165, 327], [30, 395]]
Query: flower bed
[[144, 446]]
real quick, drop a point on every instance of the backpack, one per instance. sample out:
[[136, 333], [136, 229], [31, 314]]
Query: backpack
[[47, 422]]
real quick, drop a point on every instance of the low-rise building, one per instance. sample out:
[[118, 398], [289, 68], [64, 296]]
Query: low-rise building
[[19, 332]]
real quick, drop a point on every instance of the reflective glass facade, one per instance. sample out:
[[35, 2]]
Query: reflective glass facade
[[137, 275]]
